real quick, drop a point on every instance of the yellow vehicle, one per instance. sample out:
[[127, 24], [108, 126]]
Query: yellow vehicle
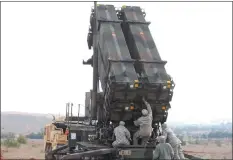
[[55, 135]]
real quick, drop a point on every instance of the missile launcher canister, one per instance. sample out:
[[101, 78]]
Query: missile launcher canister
[[112, 49], [129, 64], [142, 48]]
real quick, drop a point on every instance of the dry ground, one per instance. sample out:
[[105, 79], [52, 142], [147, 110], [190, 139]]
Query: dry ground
[[210, 150], [34, 149]]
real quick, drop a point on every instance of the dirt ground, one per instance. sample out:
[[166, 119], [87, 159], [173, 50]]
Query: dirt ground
[[210, 150], [34, 149]]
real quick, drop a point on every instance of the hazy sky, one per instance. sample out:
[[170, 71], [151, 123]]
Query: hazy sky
[[43, 45]]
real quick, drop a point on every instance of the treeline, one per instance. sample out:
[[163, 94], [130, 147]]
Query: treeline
[[218, 134], [210, 135], [205, 131], [38, 135], [33, 135], [8, 135]]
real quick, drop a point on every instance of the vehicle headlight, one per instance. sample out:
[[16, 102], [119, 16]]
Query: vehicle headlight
[[126, 108], [168, 84], [136, 83]]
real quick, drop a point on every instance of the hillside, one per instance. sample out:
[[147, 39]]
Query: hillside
[[18, 122]]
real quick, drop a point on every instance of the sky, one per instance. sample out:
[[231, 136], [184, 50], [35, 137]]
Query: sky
[[44, 44]]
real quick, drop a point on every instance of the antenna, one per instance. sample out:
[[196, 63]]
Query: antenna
[[66, 110], [71, 111], [78, 112], [68, 118]]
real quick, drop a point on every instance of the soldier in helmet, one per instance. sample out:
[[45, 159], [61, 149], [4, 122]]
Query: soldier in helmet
[[173, 140], [163, 150], [122, 135], [145, 123]]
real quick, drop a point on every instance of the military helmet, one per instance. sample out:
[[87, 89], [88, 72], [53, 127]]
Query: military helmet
[[144, 112], [161, 139], [122, 123], [164, 126]]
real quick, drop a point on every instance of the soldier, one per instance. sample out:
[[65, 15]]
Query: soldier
[[122, 135], [145, 123], [163, 150], [174, 141]]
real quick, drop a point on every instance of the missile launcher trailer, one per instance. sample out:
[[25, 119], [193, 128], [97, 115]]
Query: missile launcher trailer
[[127, 63]]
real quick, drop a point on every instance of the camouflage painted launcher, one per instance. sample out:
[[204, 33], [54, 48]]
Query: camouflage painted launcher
[[141, 45], [129, 65], [112, 46]]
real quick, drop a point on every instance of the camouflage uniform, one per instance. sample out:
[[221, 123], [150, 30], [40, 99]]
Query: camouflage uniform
[[174, 141], [145, 123], [163, 150], [122, 135]]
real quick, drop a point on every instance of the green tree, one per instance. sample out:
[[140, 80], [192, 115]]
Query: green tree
[[21, 139], [35, 136], [10, 142]]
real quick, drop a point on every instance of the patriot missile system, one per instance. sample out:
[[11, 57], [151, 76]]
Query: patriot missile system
[[128, 66]]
